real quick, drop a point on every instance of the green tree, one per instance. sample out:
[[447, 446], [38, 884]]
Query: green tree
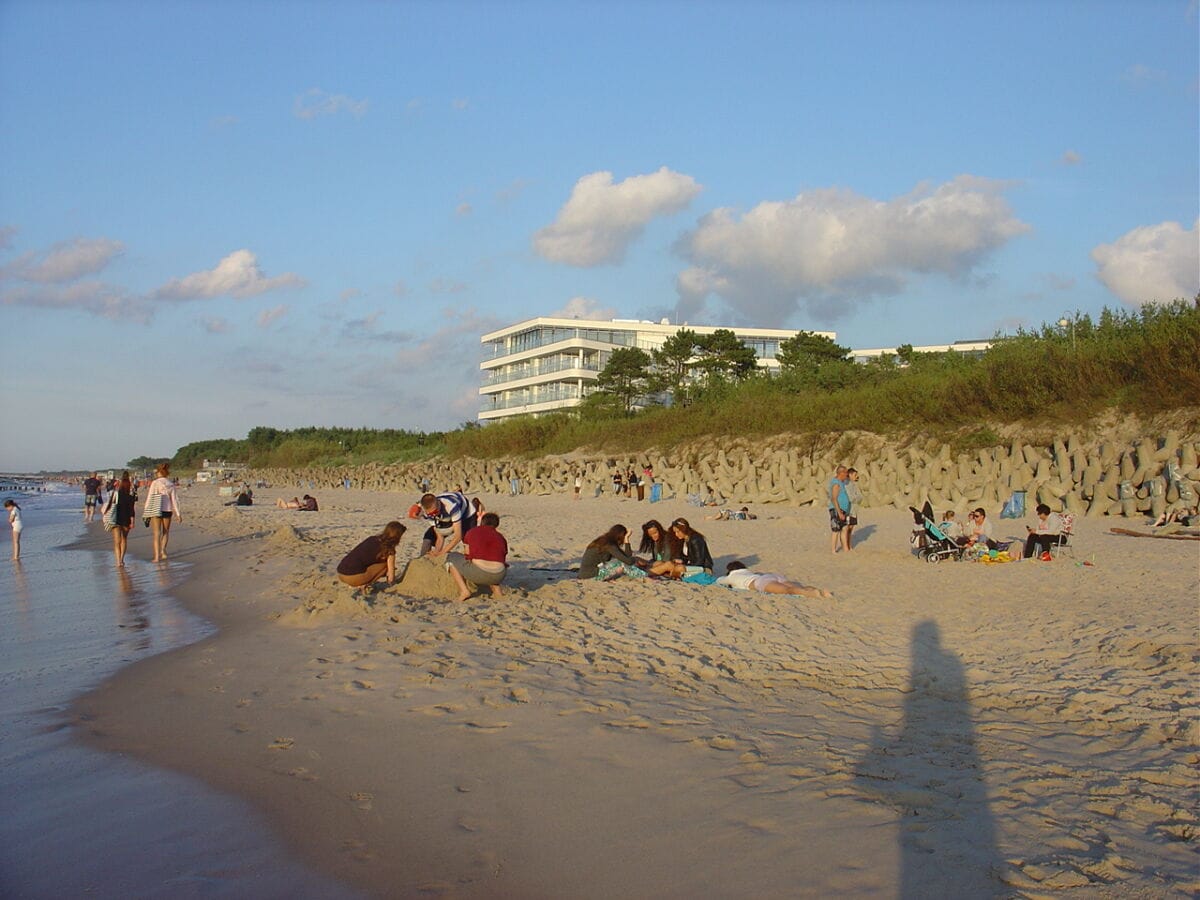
[[144, 463], [807, 351], [722, 356], [672, 362], [627, 376]]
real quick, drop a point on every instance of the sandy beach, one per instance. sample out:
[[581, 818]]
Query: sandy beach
[[1007, 730]]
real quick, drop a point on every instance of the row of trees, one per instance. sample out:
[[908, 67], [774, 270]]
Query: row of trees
[[689, 364]]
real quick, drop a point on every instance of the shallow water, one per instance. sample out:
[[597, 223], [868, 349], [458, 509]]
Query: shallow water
[[74, 821]]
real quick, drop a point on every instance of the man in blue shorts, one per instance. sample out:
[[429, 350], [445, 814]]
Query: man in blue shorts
[[91, 497], [839, 507]]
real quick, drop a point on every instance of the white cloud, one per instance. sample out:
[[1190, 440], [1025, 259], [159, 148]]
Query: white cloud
[[52, 279], [460, 103], [267, 316], [601, 219], [349, 294], [66, 261], [463, 209], [237, 275], [216, 325], [1070, 158], [1152, 263], [90, 296], [7, 233], [400, 289], [584, 308], [827, 249], [315, 102]]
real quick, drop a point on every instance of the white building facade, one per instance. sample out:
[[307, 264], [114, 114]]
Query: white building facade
[[547, 364]]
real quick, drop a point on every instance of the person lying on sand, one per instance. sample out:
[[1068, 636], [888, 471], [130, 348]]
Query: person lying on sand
[[308, 504], [737, 576], [725, 514]]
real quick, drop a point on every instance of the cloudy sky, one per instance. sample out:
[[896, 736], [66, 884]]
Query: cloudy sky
[[220, 215]]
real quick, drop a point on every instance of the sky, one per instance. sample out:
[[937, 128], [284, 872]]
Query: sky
[[221, 215]]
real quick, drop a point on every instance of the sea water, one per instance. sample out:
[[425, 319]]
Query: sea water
[[75, 821]]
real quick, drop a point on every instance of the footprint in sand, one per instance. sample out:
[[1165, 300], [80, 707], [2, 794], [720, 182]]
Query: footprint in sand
[[488, 726], [244, 702], [283, 743], [362, 800], [631, 722], [302, 773], [360, 685]]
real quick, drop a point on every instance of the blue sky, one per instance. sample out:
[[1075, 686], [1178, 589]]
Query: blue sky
[[221, 215]]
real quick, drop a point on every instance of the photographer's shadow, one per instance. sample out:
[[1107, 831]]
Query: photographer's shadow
[[930, 773]]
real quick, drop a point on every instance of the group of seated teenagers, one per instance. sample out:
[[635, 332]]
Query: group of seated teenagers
[[679, 552]]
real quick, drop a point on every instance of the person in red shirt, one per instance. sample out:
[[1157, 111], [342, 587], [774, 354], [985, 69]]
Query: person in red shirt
[[486, 559]]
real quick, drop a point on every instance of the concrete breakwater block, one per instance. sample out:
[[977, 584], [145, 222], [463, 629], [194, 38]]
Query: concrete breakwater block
[[1101, 476]]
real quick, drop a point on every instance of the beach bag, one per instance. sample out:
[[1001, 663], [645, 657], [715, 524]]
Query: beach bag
[[1015, 507], [110, 512], [153, 507]]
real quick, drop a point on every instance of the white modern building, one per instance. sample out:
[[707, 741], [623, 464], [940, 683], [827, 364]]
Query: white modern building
[[546, 364]]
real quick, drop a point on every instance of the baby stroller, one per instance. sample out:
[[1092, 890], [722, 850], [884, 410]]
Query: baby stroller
[[931, 542]]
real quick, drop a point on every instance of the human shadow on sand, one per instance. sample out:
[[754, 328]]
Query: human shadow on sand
[[930, 773]]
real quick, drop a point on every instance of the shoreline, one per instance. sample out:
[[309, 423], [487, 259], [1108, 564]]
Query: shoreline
[[521, 747]]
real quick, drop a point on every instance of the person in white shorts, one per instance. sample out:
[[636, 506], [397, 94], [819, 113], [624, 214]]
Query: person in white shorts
[[737, 576]]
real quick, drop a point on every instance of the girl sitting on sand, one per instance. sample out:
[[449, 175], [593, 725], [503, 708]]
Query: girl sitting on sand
[[659, 546], [373, 559], [609, 557], [694, 557]]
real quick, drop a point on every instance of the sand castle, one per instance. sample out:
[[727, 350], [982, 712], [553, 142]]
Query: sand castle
[[1100, 476]]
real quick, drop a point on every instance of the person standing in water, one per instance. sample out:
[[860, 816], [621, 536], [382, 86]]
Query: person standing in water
[[124, 501], [14, 519], [161, 508]]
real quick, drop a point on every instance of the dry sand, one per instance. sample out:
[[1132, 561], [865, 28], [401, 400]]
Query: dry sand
[[1025, 729]]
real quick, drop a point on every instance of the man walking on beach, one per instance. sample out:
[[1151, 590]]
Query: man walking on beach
[[91, 497], [839, 507]]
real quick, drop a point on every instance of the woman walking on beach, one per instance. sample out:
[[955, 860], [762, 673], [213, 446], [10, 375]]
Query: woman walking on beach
[[373, 559], [14, 519], [609, 557], [161, 507], [124, 517]]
